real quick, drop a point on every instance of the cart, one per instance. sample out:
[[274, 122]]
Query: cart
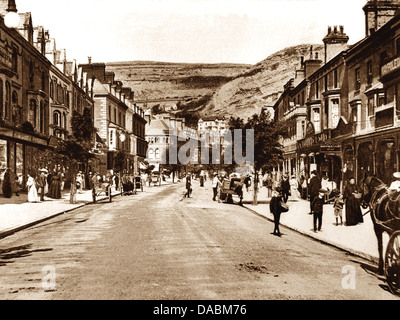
[[155, 180], [128, 186], [138, 183], [102, 188], [232, 187]]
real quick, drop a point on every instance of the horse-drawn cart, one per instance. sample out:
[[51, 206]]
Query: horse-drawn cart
[[384, 207], [232, 187], [102, 188]]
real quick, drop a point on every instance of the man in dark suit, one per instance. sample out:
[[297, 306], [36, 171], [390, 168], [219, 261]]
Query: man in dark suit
[[41, 182], [285, 188], [314, 187]]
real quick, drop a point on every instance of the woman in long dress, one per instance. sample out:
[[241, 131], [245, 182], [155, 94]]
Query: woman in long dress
[[353, 210], [55, 186], [294, 189], [32, 191]]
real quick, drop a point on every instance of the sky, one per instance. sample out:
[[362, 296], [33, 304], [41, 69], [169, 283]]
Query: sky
[[191, 31]]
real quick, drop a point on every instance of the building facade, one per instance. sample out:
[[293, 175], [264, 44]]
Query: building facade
[[352, 99]]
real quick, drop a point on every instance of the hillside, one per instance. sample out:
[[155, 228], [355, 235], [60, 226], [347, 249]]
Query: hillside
[[211, 89], [174, 81], [257, 87]]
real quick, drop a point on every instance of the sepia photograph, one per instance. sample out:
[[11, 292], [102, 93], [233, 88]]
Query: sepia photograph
[[199, 155]]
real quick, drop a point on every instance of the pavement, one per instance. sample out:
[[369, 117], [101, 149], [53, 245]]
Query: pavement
[[360, 240]]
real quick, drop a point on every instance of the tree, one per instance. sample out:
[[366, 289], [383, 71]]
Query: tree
[[77, 148], [267, 148]]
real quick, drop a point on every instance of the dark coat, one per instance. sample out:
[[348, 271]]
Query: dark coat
[[285, 185], [315, 186], [317, 206], [274, 205]]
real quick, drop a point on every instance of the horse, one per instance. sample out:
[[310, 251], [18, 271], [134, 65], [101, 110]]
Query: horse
[[383, 209]]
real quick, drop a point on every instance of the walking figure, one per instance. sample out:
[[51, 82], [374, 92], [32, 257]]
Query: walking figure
[[338, 205], [317, 208], [276, 209]]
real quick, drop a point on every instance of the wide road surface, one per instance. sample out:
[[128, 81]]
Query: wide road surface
[[155, 246]]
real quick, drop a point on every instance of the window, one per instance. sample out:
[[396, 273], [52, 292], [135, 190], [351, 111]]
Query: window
[[371, 106], [15, 60], [357, 78], [397, 41], [42, 118], [33, 112], [317, 120], [316, 90], [335, 112], [31, 74], [7, 105], [369, 72], [51, 89], [16, 110], [335, 79], [157, 153], [326, 83], [43, 81], [151, 154], [57, 118]]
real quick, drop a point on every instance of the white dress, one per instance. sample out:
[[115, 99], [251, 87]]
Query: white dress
[[32, 191], [294, 190]]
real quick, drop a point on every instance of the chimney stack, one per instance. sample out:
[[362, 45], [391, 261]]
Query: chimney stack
[[335, 42]]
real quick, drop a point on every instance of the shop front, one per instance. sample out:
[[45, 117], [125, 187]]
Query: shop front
[[20, 152]]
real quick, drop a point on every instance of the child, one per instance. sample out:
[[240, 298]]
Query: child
[[338, 207], [317, 207]]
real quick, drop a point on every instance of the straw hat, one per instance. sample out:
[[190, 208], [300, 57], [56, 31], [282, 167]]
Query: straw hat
[[396, 175]]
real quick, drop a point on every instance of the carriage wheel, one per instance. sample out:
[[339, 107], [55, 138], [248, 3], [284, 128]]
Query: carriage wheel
[[392, 263]]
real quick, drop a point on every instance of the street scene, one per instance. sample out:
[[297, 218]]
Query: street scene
[[156, 170]]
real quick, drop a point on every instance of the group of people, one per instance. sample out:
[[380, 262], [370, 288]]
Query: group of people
[[44, 184], [348, 200]]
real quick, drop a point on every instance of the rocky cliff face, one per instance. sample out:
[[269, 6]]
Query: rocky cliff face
[[259, 86]]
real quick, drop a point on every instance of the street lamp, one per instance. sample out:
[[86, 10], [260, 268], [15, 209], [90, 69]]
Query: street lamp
[[11, 19]]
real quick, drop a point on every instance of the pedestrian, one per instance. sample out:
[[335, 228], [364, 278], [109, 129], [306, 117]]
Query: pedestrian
[[41, 183], [285, 188], [314, 187], [7, 184], [79, 182], [294, 189], [247, 182], [32, 190], [55, 185], [352, 203], [317, 209], [269, 184], [18, 184], [275, 207], [338, 206], [215, 186], [188, 185]]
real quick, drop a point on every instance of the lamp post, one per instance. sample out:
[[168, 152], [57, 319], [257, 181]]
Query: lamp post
[[11, 19]]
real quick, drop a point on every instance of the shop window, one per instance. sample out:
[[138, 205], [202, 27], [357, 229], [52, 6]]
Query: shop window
[[386, 160], [3, 155], [365, 160]]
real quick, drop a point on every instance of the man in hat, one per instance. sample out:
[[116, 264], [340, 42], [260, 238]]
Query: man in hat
[[215, 185], [317, 209], [41, 182], [314, 187]]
